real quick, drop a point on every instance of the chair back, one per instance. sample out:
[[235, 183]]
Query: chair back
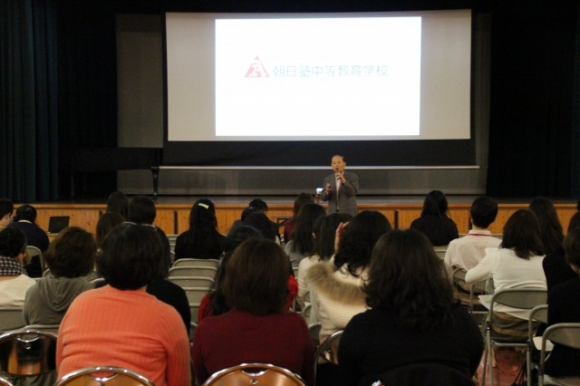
[[196, 263], [33, 251], [440, 251], [104, 375], [254, 374], [327, 351], [11, 318], [522, 298], [567, 334], [191, 281], [27, 353], [5, 382], [314, 330], [52, 328], [193, 271]]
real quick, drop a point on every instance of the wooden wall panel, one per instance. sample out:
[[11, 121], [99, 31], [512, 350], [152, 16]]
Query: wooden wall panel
[[174, 218]]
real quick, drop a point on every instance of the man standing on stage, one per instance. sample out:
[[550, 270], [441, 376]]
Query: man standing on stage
[[340, 188]]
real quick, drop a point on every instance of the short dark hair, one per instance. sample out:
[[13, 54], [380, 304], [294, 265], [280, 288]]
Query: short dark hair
[[522, 234], [131, 256], [258, 204], [359, 238], [483, 211], [106, 223], [435, 203], [326, 233], [142, 210], [257, 278], [572, 247], [12, 242], [551, 231], [118, 202], [72, 253], [25, 212], [407, 278], [6, 207], [302, 239]]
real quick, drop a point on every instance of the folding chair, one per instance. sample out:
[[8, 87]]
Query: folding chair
[[538, 314], [194, 296], [327, 351], [104, 375], [520, 298], [255, 374], [196, 263], [28, 353], [5, 382], [567, 334], [191, 281], [470, 299], [33, 251], [193, 271]]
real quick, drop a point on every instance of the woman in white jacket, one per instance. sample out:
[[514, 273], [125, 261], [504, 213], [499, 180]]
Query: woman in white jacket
[[516, 264]]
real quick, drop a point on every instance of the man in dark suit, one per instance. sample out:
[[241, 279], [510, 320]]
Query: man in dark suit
[[340, 188]]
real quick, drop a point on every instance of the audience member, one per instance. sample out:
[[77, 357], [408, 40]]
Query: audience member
[[215, 303], [556, 268], [25, 220], [118, 203], [434, 223], [202, 240], [324, 234], [256, 329], [70, 258], [564, 307], [575, 218], [6, 209], [468, 251], [550, 227], [516, 264], [13, 279], [412, 313], [121, 324], [303, 242], [262, 223], [299, 202], [337, 286], [107, 222], [142, 211]]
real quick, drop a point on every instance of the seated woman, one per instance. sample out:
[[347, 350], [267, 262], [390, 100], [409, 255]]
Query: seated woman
[[215, 303], [301, 200], [302, 243], [337, 285], [413, 317], [121, 324], [256, 329], [516, 264], [25, 220], [434, 223], [324, 235], [201, 240], [70, 258], [13, 279], [564, 307], [107, 222]]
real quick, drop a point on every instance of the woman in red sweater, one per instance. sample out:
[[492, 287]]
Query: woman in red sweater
[[256, 329]]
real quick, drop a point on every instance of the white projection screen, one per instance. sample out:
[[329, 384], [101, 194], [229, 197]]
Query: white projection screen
[[247, 84]]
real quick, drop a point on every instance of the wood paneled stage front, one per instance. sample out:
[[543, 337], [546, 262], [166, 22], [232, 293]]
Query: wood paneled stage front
[[173, 212]]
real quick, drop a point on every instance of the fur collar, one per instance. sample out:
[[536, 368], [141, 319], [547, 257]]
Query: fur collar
[[322, 277]]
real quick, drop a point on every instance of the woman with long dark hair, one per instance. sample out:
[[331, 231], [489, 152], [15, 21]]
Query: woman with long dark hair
[[303, 242], [202, 240], [412, 312], [434, 223]]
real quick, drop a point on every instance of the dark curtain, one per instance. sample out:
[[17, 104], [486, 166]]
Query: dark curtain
[[532, 98], [87, 105], [28, 100]]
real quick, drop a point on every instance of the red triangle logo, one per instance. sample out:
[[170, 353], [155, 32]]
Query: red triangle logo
[[257, 70]]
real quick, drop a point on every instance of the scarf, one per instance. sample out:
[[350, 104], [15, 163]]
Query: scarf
[[9, 266]]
